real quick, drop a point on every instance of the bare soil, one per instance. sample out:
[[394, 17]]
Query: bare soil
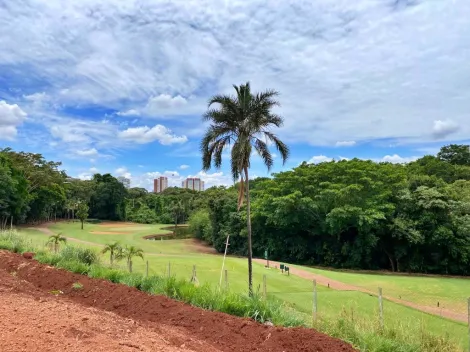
[[102, 316], [341, 286]]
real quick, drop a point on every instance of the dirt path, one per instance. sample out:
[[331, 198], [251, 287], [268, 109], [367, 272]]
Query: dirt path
[[341, 286], [102, 316]]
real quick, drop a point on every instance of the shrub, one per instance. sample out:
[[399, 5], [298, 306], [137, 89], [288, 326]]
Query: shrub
[[83, 255]]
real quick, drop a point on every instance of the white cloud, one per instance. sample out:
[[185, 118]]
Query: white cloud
[[130, 112], [184, 167], [345, 143], [122, 171], [87, 152], [11, 116], [442, 129], [366, 70], [161, 103], [94, 170], [85, 176], [397, 159], [319, 159], [145, 134]]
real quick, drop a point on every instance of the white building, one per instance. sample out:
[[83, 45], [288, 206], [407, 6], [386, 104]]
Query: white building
[[193, 183], [160, 184]]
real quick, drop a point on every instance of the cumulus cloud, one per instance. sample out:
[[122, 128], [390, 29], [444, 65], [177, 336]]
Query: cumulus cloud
[[345, 143], [145, 134], [442, 129], [319, 159], [366, 70], [397, 159], [94, 170], [122, 171], [184, 167], [130, 112], [87, 152], [11, 116]]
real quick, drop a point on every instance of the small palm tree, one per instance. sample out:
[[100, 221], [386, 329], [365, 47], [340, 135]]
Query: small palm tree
[[243, 121], [128, 253], [114, 249], [55, 240]]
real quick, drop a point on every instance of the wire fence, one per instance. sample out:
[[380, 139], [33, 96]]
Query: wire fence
[[322, 299]]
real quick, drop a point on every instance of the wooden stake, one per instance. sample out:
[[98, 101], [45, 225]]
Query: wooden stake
[[264, 287], [314, 301], [381, 309], [169, 269]]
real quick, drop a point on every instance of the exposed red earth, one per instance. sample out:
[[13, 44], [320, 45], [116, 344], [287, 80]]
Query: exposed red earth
[[41, 311]]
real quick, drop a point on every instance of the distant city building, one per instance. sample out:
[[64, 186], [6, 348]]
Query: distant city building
[[193, 183], [125, 181], [160, 184]]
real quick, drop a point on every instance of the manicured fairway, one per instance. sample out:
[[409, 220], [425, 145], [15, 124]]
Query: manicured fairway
[[182, 255]]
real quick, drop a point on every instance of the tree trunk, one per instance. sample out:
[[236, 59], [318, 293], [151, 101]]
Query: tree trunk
[[82, 224], [248, 225], [111, 257], [392, 264], [130, 266]]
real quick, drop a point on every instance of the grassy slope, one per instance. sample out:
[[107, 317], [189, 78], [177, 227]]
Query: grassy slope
[[292, 289], [451, 293]]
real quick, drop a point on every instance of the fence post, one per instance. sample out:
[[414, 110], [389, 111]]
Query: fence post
[[381, 309], [314, 301], [194, 277], [226, 279], [264, 287], [147, 269], [169, 269]]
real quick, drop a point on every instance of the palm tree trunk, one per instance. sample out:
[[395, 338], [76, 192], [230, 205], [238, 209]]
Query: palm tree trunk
[[130, 266], [111, 257], [248, 224]]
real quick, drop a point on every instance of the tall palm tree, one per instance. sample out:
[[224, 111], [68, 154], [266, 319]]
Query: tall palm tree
[[128, 253], [244, 122], [55, 240], [113, 249]]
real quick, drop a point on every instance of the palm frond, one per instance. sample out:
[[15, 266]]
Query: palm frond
[[263, 151], [282, 148]]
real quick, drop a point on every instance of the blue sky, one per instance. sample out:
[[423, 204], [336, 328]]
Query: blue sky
[[119, 86]]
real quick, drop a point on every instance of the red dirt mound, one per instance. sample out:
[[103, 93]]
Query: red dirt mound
[[221, 331]]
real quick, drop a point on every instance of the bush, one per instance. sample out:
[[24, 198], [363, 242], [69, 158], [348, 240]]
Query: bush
[[83, 255], [12, 241], [200, 225]]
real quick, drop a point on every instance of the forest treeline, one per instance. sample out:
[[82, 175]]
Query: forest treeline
[[346, 214]]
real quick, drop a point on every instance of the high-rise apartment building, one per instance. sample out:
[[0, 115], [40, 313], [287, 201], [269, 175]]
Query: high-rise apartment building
[[160, 184], [193, 183], [125, 181]]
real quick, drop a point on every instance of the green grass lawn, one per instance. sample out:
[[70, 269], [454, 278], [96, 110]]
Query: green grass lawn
[[451, 293], [294, 290]]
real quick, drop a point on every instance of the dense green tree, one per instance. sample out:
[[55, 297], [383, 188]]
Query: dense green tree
[[108, 198], [243, 121], [455, 154], [82, 212]]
